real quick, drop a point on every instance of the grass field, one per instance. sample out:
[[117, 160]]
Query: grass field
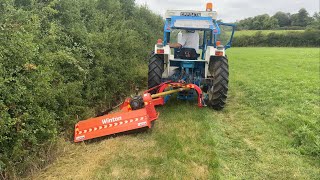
[[273, 92], [252, 32]]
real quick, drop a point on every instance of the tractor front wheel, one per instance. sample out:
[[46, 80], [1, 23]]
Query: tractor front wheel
[[156, 66], [218, 90]]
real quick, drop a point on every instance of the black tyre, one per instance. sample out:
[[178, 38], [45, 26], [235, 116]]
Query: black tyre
[[218, 90], [155, 71]]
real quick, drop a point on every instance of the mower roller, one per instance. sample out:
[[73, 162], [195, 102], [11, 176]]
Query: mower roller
[[183, 72]]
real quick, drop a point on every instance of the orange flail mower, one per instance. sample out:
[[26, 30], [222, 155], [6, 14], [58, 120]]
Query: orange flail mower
[[135, 113]]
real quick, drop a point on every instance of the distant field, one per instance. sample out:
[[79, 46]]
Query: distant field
[[269, 129], [252, 32]]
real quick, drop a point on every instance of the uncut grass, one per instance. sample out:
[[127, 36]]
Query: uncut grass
[[273, 91], [282, 84], [265, 32]]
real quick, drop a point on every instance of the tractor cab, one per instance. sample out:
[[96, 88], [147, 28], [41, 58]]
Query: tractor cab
[[203, 27], [191, 24], [203, 23]]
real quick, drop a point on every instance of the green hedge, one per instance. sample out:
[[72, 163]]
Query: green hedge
[[308, 38], [59, 60]]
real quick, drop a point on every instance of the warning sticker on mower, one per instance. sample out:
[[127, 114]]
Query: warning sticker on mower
[[142, 124], [80, 138]]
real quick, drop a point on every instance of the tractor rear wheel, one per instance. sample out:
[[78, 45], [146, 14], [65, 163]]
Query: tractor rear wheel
[[218, 90], [156, 64]]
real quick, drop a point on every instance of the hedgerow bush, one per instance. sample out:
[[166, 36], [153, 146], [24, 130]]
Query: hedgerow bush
[[59, 60], [308, 38]]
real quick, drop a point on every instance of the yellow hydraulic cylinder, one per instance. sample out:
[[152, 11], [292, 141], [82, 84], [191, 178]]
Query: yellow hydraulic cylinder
[[169, 92]]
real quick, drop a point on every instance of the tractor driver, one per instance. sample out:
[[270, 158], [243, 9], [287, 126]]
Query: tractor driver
[[187, 39]]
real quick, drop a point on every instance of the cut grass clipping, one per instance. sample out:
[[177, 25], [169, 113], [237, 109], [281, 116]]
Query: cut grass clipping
[[269, 129]]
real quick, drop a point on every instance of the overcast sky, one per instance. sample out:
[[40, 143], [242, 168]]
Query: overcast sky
[[232, 10]]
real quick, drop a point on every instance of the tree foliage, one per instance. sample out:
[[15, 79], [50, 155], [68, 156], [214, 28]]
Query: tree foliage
[[308, 38], [280, 20], [59, 59], [283, 19], [302, 18], [260, 22], [315, 24]]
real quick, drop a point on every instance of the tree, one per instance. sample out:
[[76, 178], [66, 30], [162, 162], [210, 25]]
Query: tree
[[315, 24], [283, 18], [316, 16], [264, 22], [260, 22], [301, 18], [244, 24], [271, 23]]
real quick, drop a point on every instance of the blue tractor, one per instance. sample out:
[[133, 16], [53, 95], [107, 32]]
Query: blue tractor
[[206, 66]]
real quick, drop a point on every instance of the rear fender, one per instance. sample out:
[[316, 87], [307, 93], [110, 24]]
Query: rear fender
[[167, 50], [210, 53], [166, 56]]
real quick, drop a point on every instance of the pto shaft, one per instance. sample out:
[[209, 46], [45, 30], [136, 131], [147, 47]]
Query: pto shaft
[[168, 92]]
